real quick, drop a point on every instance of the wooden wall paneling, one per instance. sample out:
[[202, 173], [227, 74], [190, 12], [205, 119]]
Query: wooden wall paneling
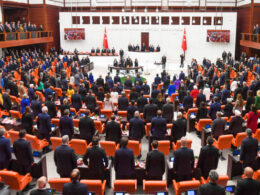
[[105, 20], [85, 20], [135, 20], [75, 19], [144, 21], [154, 20], [195, 20], [125, 19], [206, 20], [115, 20], [185, 20], [14, 14], [175, 20], [36, 15], [165, 20], [95, 20], [218, 21]]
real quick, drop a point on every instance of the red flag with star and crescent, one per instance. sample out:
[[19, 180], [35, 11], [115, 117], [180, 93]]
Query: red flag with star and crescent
[[184, 42], [105, 43]]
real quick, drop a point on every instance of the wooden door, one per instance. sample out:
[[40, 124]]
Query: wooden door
[[145, 39]]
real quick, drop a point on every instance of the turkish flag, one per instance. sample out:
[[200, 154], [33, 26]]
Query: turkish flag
[[105, 43], [184, 42]]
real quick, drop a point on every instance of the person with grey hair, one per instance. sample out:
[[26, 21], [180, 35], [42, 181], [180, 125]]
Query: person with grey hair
[[168, 110], [5, 150], [212, 188], [136, 127], [249, 148], [218, 126], [31, 92], [179, 128], [44, 124], [123, 102], [66, 124], [236, 123], [183, 162], [24, 103], [41, 190], [64, 157], [7, 103]]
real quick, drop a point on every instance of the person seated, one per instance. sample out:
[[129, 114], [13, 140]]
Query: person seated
[[41, 183]]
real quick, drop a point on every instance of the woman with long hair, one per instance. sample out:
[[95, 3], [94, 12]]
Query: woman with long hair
[[160, 101], [239, 103], [108, 104], [27, 120]]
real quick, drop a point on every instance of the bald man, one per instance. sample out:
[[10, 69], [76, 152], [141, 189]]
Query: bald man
[[41, 183], [248, 185]]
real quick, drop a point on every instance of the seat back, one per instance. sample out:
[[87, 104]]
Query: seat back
[[191, 110], [79, 145], [108, 113], [222, 180], [135, 146], [58, 183], [122, 113], [256, 175], [55, 121], [224, 142], [99, 126], [178, 144], [238, 140], [100, 104], [173, 96], [183, 186], [40, 94], [129, 186], [257, 135], [33, 141], [164, 146], [56, 141], [14, 135], [15, 114], [203, 122], [95, 186], [58, 91], [147, 129], [154, 186], [109, 147], [76, 122]]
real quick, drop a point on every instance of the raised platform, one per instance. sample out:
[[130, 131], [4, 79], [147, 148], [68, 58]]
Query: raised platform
[[250, 40]]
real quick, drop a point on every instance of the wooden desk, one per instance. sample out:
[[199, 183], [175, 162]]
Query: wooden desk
[[191, 123], [204, 135], [234, 167]]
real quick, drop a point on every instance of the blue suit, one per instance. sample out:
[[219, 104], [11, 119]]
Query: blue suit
[[136, 128], [225, 95], [214, 108], [44, 125], [48, 92], [5, 152], [171, 90], [158, 127], [66, 126], [124, 163], [24, 103]]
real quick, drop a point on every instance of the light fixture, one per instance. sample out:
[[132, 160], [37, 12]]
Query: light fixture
[[124, 17], [204, 21], [125, 20], [146, 20], [193, 21], [157, 10], [182, 21], [219, 21], [123, 10], [136, 20], [145, 10], [112, 20], [157, 20], [134, 10]]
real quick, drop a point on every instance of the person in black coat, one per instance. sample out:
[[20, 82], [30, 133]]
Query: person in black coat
[[179, 128], [41, 183], [44, 124], [123, 102], [86, 127], [76, 101], [249, 149], [66, 124], [124, 161], [100, 81], [27, 120], [218, 126], [228, 109], [248, 185], [51, 107], [7, 103], [158, 126], [113, 130], [236, 123], [183, 162], [202, 112], [249, 101], [23, 153], [141, 102], [36, 106], [75, 187], [64, 157], [90, 101], [208, 158], [200, 98], [187, 101], [150, 111], [211, 188], [96, 159], [168, 110], [5, 150], [155, 163], [136, 127], [131, 110]]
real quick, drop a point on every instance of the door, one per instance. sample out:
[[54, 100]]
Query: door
[[145, 39]]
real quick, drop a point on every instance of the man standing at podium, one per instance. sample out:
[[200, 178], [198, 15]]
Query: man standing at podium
[[163, 61]]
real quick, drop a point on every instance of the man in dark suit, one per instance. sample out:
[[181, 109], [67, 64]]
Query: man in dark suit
[[124, 161], [168, 110], [179, 128], [131, 110], [150, 111], [183, 162], [75, 187], [31, 92], [146, 88], [5, 150], [208, 158], [249, 149], [218, 126], [214, 108], [187, 101], [96, 159], [123, 102], [141, 102], [64, 157], [136, 127], [66, 124], [44, 124], [155, 163], [76, 101], [41, 183], [23, 153], [164, 61], [158, 126], [52, 111], [90, 101], [86, 127], [200, 98], [128, 83], [248, 185], [7, 103], [100, 81], [212, 188], [113, 130], [36, 106], [236, 123]]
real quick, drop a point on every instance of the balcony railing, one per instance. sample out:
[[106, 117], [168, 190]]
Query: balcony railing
[[12, 36], [250, 37]]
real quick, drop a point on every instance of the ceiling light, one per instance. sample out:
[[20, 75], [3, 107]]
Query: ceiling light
[[145, 10], [182, 21], [219, 21], [193, 21], [134, 10], [204, 21], [123, 10], [136, 20], [157, 10]]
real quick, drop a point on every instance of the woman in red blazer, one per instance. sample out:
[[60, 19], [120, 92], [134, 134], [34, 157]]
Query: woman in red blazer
[[252, 119]]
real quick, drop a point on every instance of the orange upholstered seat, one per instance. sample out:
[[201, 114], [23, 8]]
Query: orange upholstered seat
[[129, 186], [164, 146], [135, 146], [36, 143], [79, 145], [107, 113], [178, 144], [202, 123], [109, 147], [183, 186], [99, 126], [122, 113], [14, 135], [96, 186], [147, 129], [237, 141], [257, 135], [222, 180], [151, 187], [58, 183], [55, 141], [15, 114]]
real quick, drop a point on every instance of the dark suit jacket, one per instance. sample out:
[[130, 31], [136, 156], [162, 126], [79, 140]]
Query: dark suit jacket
[[124, 162], [179, 129], [141, 102], [66, 126], [36, 107], [136, 128], [123, 103], [212, 189], [235, 125], [158, 127], [90, 102], [208, 159], [248, 186], [51, 108], [202, 113], [94, 158], [44, 123], [76, 101], [167, 112], [218, 127], [7, 104], [23, 152], [130, 112], [184, 161], [249, 150], [113, 131], [200, 98], [187, 102], [213, 110], [155, 163], [86, 128], [75, 188], [31, 94], [150, 111], [65, 159], [5, 151], [40, 192]]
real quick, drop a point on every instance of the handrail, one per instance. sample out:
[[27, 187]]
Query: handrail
[[12, 36], [250, 37]]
